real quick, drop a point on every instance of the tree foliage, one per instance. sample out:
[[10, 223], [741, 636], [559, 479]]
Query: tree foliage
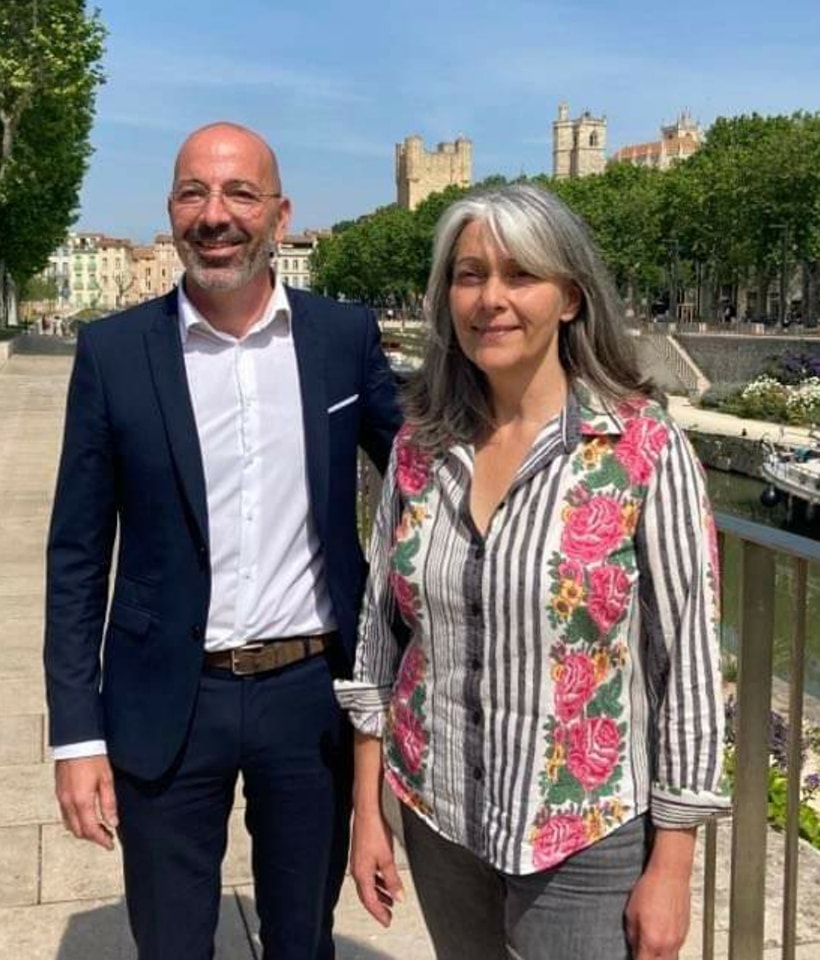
[[49, 74]]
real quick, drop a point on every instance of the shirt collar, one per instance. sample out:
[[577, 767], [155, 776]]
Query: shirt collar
[[592, 416], [277, 309]]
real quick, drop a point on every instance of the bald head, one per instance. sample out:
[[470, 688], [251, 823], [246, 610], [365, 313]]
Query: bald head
[[224, 139], [227, 212]]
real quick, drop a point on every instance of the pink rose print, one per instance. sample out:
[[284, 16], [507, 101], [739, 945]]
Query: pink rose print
[[639, 447], [411, 673], [574, 687], [592, 530], [570, 570], [412, 467], [405, 596], [593, 751], [557, 838], [608, 594], [408, 735]]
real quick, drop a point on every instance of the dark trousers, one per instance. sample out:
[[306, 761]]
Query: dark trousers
[[286, 734]]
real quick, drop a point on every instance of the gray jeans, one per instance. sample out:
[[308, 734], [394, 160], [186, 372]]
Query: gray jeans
[[574, 911]]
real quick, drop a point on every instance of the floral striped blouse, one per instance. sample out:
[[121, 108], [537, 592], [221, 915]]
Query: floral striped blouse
[[543, 684]]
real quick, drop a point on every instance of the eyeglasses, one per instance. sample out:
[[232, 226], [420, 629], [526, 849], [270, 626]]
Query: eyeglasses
[[237, 197]]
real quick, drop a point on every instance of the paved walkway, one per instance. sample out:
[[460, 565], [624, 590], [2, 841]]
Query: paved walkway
[[710, 421], [61, 899]]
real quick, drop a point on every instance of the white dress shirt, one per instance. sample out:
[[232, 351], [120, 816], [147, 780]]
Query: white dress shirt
[[267, 571]]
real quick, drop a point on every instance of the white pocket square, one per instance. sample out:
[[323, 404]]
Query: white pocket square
[[343, 403]]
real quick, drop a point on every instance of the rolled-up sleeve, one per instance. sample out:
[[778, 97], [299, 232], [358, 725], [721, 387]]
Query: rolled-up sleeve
[[381, 630], [680, 605]]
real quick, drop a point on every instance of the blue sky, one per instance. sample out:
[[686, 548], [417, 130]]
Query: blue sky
[[333, 86]]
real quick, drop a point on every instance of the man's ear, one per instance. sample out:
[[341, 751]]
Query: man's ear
[[283, 215]]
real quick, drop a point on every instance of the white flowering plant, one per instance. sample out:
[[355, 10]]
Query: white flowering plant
[[767, 398]]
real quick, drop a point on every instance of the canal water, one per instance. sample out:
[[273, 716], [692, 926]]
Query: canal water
[[735, 494]]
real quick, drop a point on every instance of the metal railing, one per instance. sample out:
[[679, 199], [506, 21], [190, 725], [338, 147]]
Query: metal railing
[[768, 559]]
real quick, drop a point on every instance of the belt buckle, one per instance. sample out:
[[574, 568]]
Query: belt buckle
[[236, 654]]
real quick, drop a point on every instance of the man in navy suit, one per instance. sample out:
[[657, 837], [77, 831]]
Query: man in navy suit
[[212, 434]]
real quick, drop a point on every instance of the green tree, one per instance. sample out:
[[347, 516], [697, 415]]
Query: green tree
[[755, 179], [49, 74]]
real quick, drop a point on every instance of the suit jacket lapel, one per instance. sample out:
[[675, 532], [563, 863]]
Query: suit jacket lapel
[[171, 383], [310, 360]]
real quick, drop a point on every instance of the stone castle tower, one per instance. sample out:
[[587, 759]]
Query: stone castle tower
[[578, 146], [420, 172]]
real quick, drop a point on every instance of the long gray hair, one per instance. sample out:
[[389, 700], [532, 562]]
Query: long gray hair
[[448, 399]]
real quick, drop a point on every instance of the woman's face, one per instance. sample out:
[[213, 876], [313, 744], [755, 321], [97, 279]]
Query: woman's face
[[505, 319]]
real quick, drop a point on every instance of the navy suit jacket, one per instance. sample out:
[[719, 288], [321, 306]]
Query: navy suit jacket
[[131, 473]]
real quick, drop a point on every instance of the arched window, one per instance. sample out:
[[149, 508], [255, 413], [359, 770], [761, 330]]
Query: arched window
[[593, 138]]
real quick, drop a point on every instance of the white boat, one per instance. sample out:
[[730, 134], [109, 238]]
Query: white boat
[[793, 472]]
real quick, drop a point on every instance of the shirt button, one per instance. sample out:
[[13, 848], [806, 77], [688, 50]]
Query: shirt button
[[475, 663], [197, 633], [478, 551], [478, 773], [476, 716], [476, 609]]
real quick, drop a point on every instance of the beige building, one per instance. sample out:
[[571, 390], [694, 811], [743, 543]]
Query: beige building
[[420, 172], [579, 145], [292, 258], [92, 270], [678, 141], [115, 272], [169, 267]]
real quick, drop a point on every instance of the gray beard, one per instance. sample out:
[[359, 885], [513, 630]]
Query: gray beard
[[226, 278]]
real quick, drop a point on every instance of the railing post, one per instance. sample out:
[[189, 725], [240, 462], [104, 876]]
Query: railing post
[[754, 695], [709, 887], [794, 756]]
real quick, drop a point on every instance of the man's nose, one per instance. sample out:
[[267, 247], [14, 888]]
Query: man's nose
[[214, 209]]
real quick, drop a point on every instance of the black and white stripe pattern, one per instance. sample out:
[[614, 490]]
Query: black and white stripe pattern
[[486, 636]]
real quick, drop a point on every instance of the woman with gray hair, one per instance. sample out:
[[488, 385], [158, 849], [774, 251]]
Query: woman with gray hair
[[537, 676]]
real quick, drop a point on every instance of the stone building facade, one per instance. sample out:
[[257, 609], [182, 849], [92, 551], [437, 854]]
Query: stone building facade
[[291, 260], [92, 270], [579, 145], [420, 172], [678, 141]]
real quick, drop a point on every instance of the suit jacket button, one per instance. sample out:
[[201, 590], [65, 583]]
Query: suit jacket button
[[197, 633]]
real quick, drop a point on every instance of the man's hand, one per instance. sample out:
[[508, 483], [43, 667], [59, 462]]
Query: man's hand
[[85, 792], [373, 867]]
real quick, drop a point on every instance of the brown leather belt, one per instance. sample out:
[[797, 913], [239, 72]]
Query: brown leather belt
[[259, 656]]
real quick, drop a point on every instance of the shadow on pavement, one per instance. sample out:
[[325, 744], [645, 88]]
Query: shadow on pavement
[[102, 933]]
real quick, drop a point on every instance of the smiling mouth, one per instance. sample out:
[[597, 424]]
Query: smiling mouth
[[494, 331]]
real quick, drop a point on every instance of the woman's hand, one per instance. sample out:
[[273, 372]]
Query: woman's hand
[[371, 848], [373, 867], [657, 914]]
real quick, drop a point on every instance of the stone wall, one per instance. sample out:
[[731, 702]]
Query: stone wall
[[729, 454], [733, 360]]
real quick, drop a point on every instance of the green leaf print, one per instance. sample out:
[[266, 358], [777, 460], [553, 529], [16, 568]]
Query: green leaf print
[[581, 627], [607, 700], [564, 790], [609, 474], [403, 555]]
